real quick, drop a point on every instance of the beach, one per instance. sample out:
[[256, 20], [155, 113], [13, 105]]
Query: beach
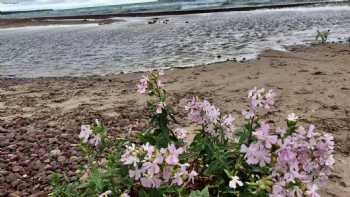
[[40, 118]]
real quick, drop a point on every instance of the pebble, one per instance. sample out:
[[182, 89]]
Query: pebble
[[61, 159], [55, 153], [18, 169]]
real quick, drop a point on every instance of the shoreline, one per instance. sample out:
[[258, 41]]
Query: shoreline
[[14, 23], [289, 48], [108, 18], [40, 115]]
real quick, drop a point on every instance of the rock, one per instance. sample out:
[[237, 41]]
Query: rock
[[17, 169], [74, 158], [37, 165], [61, 159], [124, 122], [53, 140], [3, 172], [14, 183], [11, 178], [3, 193], [14, 194], [55, 153], [12, 147], [319, 73], [38, 194]]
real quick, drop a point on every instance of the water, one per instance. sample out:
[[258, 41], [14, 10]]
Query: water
[[135, 45], [90, 7]]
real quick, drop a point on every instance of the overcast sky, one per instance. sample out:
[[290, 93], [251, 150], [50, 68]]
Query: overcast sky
[[8, 5]]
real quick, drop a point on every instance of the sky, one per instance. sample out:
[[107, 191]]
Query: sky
[[11, 5]]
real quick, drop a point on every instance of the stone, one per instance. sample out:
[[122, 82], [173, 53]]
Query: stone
[[55, 153], [61, 159], [18, 169]]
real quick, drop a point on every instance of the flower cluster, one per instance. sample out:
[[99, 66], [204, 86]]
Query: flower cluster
[[303, 158], [87, 135], [260, 152], [153, 167], [209, 116], [302, 161], [258, 160], [202, 112], [147, 83], [258, 98], [181, 133]]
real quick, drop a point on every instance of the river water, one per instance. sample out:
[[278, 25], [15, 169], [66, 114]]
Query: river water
[[135, 45]]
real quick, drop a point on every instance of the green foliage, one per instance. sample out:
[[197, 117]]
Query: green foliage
[[322, 35], [203, 193]]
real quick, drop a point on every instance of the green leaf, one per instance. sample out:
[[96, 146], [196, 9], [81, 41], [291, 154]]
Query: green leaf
[[203, 193]]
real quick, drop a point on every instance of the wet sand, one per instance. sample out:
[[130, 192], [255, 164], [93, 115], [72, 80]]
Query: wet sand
[[43, 115]]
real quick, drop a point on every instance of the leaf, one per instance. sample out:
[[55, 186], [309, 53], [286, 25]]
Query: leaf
[[203, 193]]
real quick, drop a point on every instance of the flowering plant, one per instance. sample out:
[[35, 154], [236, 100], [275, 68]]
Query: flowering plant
[[222, 159]]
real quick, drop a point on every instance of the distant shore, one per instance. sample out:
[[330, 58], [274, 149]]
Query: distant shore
[[12, 23], [107, 18]]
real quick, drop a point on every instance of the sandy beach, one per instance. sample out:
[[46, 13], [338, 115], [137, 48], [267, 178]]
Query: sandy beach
[[40, 118]]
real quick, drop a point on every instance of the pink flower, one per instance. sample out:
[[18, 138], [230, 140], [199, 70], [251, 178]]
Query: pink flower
[[96, 140], [312, 191], [85, 132], [228, 126], [150, 182], [228, 120], [256, 154], [149, 149], [178, 179], [278, 190], [105, 194], [173, 157], [269, 99], [143, 85], [258, 99], [160, 107], [150, 168], [263, 135], [281, 131], [166, 175], [192, 176], [159, 159], [180, 133], [128, 158], [136, 174], [202, 112], [212, 113], [247, 114]]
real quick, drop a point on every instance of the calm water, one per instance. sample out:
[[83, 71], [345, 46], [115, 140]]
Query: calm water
[[135, 45]]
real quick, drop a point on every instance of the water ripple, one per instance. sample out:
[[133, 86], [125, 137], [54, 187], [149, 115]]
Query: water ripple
[[136, 45]]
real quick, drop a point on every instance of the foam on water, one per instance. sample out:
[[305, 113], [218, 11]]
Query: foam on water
[[137, 46]]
